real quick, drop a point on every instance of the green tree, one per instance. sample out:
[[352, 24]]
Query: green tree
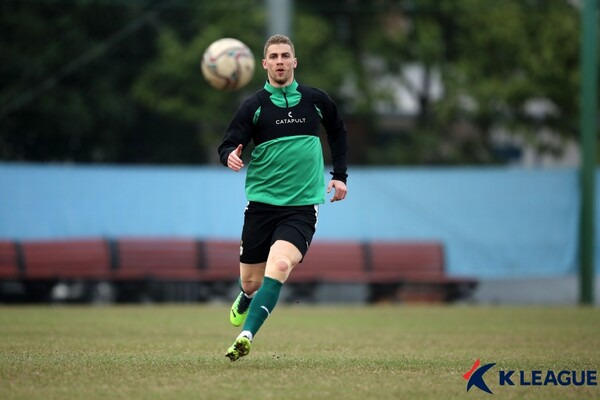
[[66, 79], [486, 67], [173, 84], [108, 81], [495, 61]]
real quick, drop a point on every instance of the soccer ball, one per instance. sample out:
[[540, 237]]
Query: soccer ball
[[228, 64]]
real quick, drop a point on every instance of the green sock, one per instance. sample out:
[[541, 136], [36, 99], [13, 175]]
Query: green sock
[[262, 305]]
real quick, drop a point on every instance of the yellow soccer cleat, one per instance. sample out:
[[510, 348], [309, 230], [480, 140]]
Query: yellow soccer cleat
[[239, 349], [239, 310]]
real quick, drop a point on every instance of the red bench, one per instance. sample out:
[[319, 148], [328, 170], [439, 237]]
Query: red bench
[[79, 263], [327, 262], [157, 258], [404, 271], [222, 260], [336, 262], [157, 269], [9, 266], [67, 259], [413, 271], [221, 272]]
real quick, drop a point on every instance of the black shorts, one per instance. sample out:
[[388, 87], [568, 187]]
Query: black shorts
[[265, 223]]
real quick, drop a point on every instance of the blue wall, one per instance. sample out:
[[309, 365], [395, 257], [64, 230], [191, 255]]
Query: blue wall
[[495, 222]]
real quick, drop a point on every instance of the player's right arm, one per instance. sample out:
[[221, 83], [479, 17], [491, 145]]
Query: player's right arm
[[234, 160], [237, 136]]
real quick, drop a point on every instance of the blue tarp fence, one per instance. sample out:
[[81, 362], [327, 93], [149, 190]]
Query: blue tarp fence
[[499, 222]]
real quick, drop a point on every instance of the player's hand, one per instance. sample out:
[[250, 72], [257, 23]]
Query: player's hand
[[340, 190], [234, 160]]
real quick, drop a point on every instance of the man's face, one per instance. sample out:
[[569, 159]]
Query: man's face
[[280, 64]]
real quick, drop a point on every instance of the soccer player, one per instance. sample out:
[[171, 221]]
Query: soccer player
[[284, 182]]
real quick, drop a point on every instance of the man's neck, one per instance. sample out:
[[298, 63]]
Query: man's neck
[[278, 85]]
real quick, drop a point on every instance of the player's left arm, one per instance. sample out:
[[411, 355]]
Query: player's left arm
[[340, 190], [337, 140]]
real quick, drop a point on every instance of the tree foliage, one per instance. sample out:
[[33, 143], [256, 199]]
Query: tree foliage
[[67, 72], [117, 81], [172, 83], [507, 67]]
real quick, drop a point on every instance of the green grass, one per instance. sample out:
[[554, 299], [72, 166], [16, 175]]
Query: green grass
[[386, 352]]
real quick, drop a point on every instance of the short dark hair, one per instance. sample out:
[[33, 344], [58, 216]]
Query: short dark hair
[[278, 39]]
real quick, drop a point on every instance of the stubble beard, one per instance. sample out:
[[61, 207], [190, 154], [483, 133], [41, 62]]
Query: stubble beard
[[280, 81]]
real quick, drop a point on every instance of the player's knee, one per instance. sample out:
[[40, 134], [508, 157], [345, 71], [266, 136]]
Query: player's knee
[[283, 264], [249, 287]]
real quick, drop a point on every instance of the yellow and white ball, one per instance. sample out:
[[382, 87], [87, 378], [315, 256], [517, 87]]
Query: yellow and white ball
[[228, 64]]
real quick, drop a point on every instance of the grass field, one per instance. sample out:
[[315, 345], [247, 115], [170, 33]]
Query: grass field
[[384, 352]]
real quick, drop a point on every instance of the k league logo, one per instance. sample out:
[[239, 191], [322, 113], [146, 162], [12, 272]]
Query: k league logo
[[565, 377], [474, 376]]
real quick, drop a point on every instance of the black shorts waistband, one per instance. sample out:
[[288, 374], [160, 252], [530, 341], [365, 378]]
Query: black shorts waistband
[[264, 206]]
